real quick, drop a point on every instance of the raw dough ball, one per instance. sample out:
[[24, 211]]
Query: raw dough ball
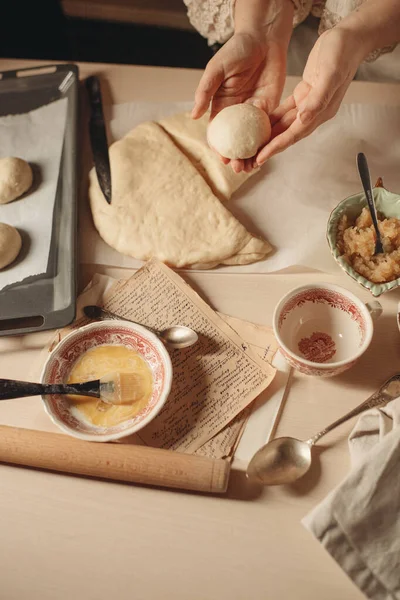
[[238, 131], [10, 244], [15, 178]]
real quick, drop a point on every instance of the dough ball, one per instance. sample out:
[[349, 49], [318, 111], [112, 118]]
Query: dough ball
[[238, 131], [10, 244], [15, 178]]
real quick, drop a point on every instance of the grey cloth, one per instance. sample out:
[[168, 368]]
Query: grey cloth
[[359, 522]]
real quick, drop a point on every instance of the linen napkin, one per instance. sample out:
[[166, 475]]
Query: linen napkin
[[359, 522]]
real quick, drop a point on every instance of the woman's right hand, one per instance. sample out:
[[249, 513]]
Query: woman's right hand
[[247, 68], [251, 66]]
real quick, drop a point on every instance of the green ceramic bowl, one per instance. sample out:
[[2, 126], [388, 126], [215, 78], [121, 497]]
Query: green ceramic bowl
[[389, 205]]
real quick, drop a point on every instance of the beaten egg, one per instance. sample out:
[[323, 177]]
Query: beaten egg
[[100, 361]]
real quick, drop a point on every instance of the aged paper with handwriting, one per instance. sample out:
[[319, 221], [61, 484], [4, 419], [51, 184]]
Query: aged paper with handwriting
[[260, 339], [214, 380], [262, 342]]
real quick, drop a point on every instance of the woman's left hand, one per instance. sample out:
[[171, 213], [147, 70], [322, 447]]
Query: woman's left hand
[[330, 68]]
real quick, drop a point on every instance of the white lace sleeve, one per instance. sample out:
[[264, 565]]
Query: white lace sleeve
[[302, 9], [336, 10], [213, 19]]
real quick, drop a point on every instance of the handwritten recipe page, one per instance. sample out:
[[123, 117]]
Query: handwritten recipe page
[[214, 380]]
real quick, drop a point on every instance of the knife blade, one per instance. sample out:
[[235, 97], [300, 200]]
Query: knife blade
[[98, 137]]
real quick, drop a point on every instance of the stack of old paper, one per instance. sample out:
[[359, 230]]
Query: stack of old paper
[[214, 382]]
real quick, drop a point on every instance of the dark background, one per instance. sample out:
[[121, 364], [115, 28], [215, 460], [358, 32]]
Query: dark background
[[38, 29]]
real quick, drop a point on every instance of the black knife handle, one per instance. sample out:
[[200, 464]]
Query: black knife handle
[[98, 137], [94, 91]]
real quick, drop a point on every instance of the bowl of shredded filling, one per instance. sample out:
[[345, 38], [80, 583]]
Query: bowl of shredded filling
[[351, 237]]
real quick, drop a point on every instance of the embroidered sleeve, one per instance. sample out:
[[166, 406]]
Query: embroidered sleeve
[[302, 9], [334, 11], [214, 20]]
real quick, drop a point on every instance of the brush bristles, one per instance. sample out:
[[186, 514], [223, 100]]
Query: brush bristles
[[121, 388]]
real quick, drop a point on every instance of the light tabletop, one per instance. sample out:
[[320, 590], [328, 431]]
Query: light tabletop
[[65, 537]]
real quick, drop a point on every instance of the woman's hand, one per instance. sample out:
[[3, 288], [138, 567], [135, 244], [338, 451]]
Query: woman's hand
[[330, 68], [246, 69]]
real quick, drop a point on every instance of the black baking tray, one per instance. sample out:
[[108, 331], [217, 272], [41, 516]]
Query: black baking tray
[[47, 301]]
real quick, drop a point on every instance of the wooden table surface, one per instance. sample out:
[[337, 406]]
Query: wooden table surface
[[65, 537]]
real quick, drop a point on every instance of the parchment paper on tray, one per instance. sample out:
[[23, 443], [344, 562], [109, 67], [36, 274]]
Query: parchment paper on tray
[[290, 200], [38, 138]]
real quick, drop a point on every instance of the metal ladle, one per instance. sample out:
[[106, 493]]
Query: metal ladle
[[286, 459], [176, 337]]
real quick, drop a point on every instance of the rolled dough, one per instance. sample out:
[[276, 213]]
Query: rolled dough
[[190, 136], [163, 207]]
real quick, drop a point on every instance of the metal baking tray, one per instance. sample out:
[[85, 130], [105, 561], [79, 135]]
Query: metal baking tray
[[48, 301]]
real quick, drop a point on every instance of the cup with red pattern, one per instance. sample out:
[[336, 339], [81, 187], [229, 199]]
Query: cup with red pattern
[[323, 329]]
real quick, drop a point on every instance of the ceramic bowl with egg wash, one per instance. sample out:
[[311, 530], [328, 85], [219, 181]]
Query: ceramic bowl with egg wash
[[93, 351]]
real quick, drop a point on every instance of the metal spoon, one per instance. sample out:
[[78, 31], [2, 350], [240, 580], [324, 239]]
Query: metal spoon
[[366, 181], [286, 459], [176, 337]]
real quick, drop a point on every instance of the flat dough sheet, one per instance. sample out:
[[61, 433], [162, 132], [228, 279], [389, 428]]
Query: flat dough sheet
[[163, 203]]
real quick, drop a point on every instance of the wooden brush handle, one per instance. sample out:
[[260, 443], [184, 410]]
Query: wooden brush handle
[[119, 462]]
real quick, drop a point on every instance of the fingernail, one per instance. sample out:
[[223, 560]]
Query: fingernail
[[306, 117]]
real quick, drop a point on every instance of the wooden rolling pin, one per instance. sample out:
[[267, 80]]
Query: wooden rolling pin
[[119, 462]]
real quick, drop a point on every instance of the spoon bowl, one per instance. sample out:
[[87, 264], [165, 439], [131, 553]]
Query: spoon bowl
[[176, 337], [283, 460], [179, 336], [286, 459]]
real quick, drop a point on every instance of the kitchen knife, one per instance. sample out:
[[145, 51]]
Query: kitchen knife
[[98, 137]]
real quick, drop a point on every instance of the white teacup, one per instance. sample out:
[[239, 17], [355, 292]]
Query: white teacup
[[323, 329]]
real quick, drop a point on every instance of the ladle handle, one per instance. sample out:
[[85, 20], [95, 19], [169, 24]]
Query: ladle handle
[[389, 391]]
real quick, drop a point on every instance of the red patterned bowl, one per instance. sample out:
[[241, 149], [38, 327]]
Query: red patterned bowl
[[71, 348], [323, 329]]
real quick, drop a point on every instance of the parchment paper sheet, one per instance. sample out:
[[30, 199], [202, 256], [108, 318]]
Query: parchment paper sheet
[[289, 201], [38, 138]]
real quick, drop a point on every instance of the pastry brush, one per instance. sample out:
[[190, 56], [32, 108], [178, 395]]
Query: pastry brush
[[113, 388]]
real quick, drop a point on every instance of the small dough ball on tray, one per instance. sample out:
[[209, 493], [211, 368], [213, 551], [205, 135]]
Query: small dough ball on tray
[[10, 244], [15, 178]]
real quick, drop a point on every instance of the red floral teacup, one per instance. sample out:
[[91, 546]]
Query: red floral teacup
[[323, 329]]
